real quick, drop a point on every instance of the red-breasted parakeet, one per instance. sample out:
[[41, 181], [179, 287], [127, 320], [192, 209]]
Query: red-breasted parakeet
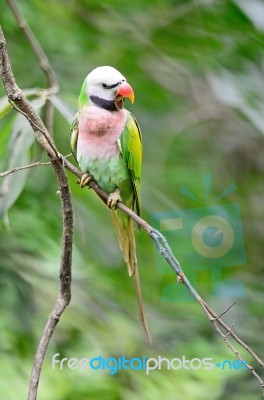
[[107, 144]]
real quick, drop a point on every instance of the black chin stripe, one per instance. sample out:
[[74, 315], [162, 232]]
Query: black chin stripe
[[102, 103]]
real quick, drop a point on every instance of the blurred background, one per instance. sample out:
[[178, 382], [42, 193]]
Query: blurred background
[[197, 70]]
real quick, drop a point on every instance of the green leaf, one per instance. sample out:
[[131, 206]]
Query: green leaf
[[5, 106], [63, 107], [17, 155]]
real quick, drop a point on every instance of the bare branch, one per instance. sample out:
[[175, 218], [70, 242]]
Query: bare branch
[[15, 95], [224, 312], [42, 58], [65, 279], [235, 337], [234, 350], [53, 86], [35, 164], [11, 171], [161, 244], [230, 330]]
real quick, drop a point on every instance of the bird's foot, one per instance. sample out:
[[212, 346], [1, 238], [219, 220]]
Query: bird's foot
[[113, 199], [84, 180]]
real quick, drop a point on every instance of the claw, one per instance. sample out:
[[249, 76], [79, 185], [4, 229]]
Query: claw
[[113, 199], [85, 179]]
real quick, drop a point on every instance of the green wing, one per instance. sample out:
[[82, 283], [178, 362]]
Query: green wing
[[131, 147], [83, 100], [74, 136]]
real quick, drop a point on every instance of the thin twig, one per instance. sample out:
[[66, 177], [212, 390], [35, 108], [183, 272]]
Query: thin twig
[[230, 330], [16, 169], [35, 164], [42, 58], [53, 86], [235, 337], [225, 311], [234, 350]]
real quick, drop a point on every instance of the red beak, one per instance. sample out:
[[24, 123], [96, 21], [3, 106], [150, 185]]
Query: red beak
[[126, 90]]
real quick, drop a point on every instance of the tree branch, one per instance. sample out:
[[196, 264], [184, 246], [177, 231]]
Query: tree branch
[[16, 169], [53, 86], [225, 311], [33, 165], [15, 94], [42, 58], [65, 279], [162, 246]]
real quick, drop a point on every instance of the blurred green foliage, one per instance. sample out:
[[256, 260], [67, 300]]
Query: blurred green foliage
[[197, 70]]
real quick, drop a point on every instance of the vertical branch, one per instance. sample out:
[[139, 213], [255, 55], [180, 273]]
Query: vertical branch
[[53, 86], [65, 279], [41, 56], [16, 96]]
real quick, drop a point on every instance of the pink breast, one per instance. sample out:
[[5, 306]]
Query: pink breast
[[99, 131]]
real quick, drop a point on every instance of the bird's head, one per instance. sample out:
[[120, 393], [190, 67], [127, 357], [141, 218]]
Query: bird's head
[[108, 88]]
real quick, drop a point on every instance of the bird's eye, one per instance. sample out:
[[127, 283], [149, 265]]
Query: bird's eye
[[104, 85]]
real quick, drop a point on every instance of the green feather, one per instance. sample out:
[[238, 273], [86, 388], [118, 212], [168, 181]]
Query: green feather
[[83, 99], [74, 136], [131, 149]]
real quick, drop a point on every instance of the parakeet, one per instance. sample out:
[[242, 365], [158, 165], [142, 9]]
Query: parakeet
[[107, 144]]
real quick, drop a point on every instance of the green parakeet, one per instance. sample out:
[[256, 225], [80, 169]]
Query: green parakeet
[[107, 144]]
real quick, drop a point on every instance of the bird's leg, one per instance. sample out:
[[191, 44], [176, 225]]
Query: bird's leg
[[85, 179], [114, 198]]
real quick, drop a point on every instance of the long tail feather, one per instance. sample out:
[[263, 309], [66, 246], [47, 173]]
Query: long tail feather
[[126, 240], [140, 304]]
